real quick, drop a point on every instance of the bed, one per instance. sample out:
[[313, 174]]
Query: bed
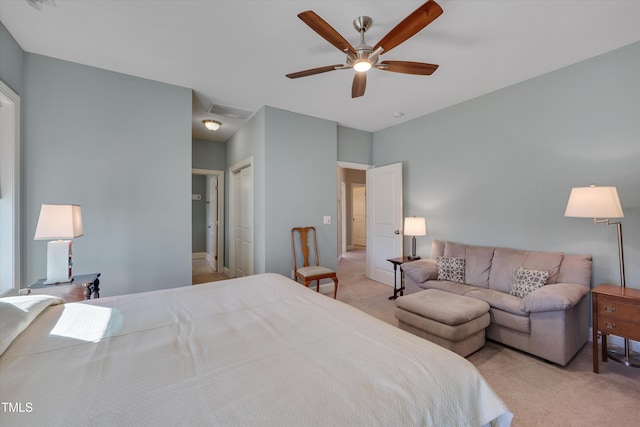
[[260, 350]]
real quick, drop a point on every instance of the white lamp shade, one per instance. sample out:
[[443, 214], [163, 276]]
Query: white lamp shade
[[594, 202], [415, 226], [59, 222]]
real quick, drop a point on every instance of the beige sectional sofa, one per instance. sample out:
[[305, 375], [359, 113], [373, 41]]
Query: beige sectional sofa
[[551, 322]]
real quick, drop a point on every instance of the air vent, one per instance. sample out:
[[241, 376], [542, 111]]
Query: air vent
[[232, 113]]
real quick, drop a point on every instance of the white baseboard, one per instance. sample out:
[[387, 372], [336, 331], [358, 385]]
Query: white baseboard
[[226, 271], [199, 255]]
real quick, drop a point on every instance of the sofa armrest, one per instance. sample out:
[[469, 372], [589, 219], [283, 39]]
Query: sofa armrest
[[558, 296], [421, 270]]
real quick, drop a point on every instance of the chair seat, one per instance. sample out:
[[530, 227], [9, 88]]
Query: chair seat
[[314, 270]]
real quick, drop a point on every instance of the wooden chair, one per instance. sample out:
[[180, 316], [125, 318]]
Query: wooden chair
[[305, 248]]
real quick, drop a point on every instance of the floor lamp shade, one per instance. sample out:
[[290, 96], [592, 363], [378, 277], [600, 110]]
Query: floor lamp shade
[[60, 224], [594, 202], [414, 226]]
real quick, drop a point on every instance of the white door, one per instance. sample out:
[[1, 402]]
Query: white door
[[243, 224], [384, 221], [212, 221], [359, 210]]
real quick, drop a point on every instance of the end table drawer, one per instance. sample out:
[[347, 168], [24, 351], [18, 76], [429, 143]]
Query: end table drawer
[[614, 326], [615, 307]]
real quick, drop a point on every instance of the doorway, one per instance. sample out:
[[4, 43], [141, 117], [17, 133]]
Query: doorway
[[352, 214], [208, 218]]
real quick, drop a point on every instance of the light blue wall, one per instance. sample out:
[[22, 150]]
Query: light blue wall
[[11, 61], [497, 170], [300, 185], [98, 139], [210, 155], [355, 146], [294, 182]]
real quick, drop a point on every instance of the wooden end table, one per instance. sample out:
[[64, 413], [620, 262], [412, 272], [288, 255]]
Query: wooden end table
[[616, 311], [82, 287], [397, 262]]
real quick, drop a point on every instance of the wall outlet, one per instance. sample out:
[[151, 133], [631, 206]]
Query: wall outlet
[[327, 219]]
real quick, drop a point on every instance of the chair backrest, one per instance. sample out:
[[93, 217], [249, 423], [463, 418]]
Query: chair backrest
[[304, 246]]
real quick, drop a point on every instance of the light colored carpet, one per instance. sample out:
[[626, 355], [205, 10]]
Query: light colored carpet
[[201, 272], [537, 392]]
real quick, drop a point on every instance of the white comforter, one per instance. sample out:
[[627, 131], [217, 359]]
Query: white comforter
[[255, 351]]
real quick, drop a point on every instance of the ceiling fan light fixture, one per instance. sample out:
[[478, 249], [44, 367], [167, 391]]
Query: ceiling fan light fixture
[[212, 125], [362, 66]]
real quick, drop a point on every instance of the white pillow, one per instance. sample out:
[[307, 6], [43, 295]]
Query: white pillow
[[16, 313]]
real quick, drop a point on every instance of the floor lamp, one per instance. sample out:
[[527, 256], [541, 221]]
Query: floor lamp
[[599, 203]]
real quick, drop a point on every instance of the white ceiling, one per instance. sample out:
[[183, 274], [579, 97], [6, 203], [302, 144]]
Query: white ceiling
[[236, 53]]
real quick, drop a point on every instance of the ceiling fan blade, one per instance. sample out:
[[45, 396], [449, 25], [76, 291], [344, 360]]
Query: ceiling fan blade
[[359, 85], [313, 71], [326, 31], [408, 67], [412, 24]]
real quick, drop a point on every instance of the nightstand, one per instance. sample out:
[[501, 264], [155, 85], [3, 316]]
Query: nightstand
[[82, 287]]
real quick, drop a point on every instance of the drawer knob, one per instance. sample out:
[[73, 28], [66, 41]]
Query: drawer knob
[[608, 309], [609, 325]]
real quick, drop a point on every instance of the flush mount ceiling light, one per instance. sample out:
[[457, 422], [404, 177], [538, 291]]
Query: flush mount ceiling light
[[212, 125]]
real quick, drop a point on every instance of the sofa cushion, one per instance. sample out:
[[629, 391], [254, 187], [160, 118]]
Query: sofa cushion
[[527, 281], [576, 269], [559, 296], [498, 299], [477, 261], [503, 268], [451, 268], [445, 285], [421, 270], [515, 322], [546, 261]]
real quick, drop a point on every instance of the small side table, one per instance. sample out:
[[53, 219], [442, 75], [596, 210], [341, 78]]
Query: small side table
[[82, 287], [397, 262], [616, 311]]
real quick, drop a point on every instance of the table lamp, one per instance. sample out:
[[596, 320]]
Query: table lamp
[[60, 224], [414, 226]]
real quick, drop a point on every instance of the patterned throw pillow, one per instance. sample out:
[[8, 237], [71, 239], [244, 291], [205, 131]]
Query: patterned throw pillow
[[528, 281], [451, 269]]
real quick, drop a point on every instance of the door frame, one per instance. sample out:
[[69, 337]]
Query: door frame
[[220, 226], [10, 170]]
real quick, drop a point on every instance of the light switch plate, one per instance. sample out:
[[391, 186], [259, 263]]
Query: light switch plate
[[327, 219]]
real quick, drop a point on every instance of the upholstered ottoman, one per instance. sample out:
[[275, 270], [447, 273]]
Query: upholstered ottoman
[[452, 321]]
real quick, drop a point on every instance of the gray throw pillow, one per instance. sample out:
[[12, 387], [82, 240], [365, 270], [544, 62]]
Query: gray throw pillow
[[450, 269], [527, 281]]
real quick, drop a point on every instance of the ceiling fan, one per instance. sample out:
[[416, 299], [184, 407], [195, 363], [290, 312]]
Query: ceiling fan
[[364, 57]]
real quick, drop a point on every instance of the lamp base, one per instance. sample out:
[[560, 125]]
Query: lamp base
[[59, 262], [627, 358]]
